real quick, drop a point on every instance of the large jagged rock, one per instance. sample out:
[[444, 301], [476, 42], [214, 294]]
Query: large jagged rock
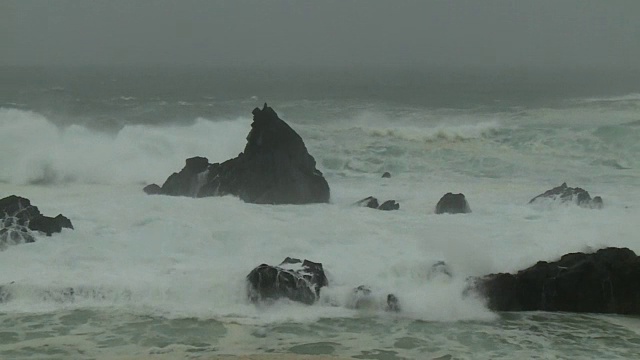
[[607, 281], [451, 203], [293, 279], [18, 217], [274, 168], [565, 194]]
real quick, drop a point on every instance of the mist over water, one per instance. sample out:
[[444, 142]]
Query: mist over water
[[146, 269]]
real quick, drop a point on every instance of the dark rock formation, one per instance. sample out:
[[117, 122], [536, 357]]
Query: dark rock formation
[[18, 217], [386, 175], [274, 168], [369, 202], [453, 204], [373, 203], [393, 303], [19, 207], [293, 279], [565, 194], [389, 205], [188, 181], [152, 189], [607, 281], [50, 225]]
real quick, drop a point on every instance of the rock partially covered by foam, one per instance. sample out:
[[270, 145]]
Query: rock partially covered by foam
[[607, 281], [452, 204], [362, 298], [373, 203], [188, 181], [18, 217], [274, 168], [293, 279], [13, 233], [566, 194]]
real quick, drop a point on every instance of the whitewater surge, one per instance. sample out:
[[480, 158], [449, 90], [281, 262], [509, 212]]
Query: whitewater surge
[[40, 152], [188, 257]]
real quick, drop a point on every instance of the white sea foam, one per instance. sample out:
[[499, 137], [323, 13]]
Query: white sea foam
[[622, 98], [37, 151], [440, 132], [188, 257], [425, 127]]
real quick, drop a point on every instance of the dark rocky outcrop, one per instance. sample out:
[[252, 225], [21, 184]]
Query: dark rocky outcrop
[[274, 168], [373, 203], [386, 175], [565, 194], [607, 281], [389, 205], [293, 279], [453, 204], [50, 225], [152, 189], [369, 202], [18, 217], [188, 181]]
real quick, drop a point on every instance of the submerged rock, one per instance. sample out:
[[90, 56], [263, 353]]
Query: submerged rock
[[440, 269], [386, 175], [5, 294], [18, 217], [369, 202], [373, 203], [274, 168], [607, 281], [565, 194], [363, 298], [453, 204], [293, 279]]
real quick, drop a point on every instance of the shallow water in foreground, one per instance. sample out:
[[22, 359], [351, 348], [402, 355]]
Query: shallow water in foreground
[[90, 334]]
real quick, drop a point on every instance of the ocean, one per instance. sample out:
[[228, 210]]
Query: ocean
[[164, 277]]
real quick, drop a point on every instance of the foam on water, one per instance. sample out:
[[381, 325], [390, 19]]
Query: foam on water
[[188, 257], [633, 97], [135, 154]]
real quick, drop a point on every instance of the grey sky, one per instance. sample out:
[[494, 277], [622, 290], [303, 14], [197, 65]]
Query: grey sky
[[350, 33]]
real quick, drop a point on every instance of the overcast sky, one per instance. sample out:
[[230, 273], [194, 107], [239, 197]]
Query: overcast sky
[[350, 33]]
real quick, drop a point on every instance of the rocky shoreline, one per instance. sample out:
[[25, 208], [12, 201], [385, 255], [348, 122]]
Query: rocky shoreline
[[276, 168]]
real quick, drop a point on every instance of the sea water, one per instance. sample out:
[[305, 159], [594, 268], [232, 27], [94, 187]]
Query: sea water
[[144, 276]]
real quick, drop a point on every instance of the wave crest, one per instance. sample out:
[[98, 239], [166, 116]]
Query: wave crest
[[36, 151], [447, 133]]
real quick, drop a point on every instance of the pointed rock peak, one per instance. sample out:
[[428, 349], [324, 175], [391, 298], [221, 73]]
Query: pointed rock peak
[[266, 113], [274, 168]]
